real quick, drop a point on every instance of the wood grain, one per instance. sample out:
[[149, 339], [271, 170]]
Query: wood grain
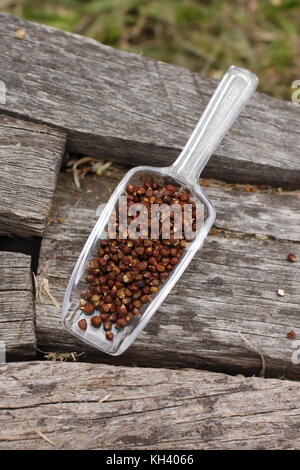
[[30, 157], [16, 306], [125, 107], [228, 293], [144, 409]]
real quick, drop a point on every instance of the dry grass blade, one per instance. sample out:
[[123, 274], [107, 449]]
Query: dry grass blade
[[263, 361], [105, 398], [42, 435]]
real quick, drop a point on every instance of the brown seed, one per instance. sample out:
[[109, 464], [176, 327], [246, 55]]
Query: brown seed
[[170, 188], [88, 308], [121, 323], [141, 190], [292, 257], [153, 289], [105, 316], [130, 189], [139, 250], [95, 298], [90, 278], [121, 293], [145, 299], [174, 260], [96, 321], [109, 335], [105, 308], [141, 265], [127, 278], [136, 312], [122, 310], [291, 334], [107, 325], [137, 303], [161, 268], [103, 261], [82, 324], [129, 316]]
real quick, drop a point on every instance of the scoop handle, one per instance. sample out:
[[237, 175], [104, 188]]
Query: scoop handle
[[232, 94]]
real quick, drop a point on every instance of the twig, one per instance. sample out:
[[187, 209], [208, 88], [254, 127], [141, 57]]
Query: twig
[[42, 435], [263, 361], [105, 398]]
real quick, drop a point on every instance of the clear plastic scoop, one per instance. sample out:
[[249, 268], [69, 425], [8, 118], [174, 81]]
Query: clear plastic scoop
[[230, 97]]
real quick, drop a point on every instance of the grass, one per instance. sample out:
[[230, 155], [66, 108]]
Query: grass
[[204, 36]]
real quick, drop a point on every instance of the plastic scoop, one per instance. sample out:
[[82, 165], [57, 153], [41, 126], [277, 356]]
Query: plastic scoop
[[230, 97]]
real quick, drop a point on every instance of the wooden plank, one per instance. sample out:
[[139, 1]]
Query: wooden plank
[[276, 215], [228, 293], [30, 156], [144, 409], [16, 306], [128, 108]]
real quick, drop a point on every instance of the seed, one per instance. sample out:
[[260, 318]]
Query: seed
[[88, 308], [105, 316], [141, 265], [161, 268], [109, 335], [122, 310], [105, 308], [107, 325], [121, 293], [145, 299], [121, 323], [153, 289], [82, 324], [130, 189], [281, 292], [103, 261], [137, 303], [170, 188], [127, 278], [174, 260], [96, 321], [152, 260], [141, 190], [292, 257], [90, 278], [95, 298], [139, 250], [291, 334], [136, 312]]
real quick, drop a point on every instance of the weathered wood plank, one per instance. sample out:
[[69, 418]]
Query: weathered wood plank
[[30, 156], [144, 409], [126, 107], [16, 306], [229, 289]]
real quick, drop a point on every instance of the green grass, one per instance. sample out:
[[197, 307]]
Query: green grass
[[204, 36]]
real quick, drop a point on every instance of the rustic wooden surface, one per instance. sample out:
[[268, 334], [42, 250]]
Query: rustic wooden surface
[[229, 290], [16, 306], [144, 409], [30, 157], [125, 107]]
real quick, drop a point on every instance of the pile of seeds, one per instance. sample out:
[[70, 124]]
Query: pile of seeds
[[127, 272]]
